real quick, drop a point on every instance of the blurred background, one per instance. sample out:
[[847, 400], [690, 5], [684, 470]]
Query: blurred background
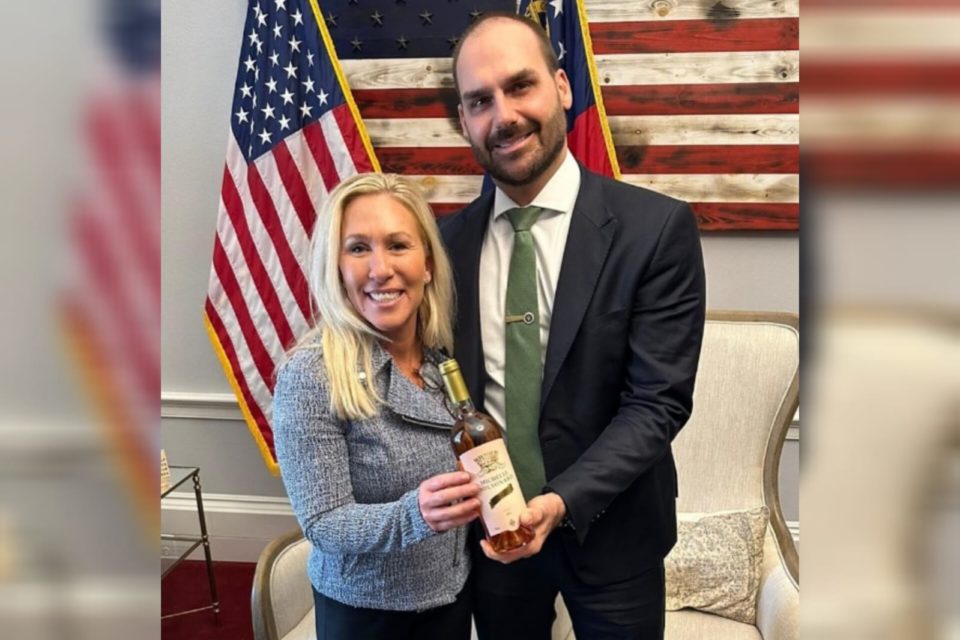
[[880, 465], [880, 300], [79, 375]]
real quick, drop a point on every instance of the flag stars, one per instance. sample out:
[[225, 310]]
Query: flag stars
[[267, 112], [402, 43], [357, 43], [426, 17], [331, 20], [241, 115], [557, 7], [377, 18], [452, 41], [250, 63], [275, 58], [287, 97], [246, 90], [290, 69], [305, 110], [253, 36], [295, 44], [310, 58], [297, 17], [284, 123], [281, 4], [308, 85], [264, 136], [562, 53], [271, 85], [475, 14], [323, 97], [277, 30], [262, 19]]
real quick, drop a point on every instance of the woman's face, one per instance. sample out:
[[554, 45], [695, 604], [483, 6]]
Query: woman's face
[[383, 264]]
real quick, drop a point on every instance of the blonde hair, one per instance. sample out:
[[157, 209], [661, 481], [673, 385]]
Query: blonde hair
[[347, 339]]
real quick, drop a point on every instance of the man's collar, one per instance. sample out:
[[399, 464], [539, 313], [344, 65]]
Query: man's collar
[[559, 194]]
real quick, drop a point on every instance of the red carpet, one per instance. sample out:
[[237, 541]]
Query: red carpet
[[186, 587]]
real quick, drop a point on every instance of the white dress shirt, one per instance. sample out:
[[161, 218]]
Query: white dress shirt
[[549, 238]]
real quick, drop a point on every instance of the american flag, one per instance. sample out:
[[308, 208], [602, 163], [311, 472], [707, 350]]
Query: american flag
[[294, 135], [702, 99], [110, 305]]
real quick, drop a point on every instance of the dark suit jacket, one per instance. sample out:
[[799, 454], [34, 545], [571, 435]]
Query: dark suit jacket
[[620, 365]]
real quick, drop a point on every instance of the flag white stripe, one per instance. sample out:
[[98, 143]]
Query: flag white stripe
[[337, 146], [723, 187], [738, 129], [258, 389], [292, 230], [307, 166], [261, 238], [614, 69]]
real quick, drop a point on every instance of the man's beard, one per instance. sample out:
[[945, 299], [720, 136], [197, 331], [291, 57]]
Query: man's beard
[[552, 138]]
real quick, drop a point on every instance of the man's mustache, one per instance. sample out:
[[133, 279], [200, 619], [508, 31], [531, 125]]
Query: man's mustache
[[507, 132]]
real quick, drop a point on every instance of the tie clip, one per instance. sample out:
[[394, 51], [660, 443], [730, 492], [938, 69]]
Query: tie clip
[[526, 318]]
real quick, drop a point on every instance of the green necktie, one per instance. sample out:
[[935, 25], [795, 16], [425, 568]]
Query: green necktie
[[523, 372]]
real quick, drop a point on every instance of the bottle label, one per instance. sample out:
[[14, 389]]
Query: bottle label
[[500, 496]]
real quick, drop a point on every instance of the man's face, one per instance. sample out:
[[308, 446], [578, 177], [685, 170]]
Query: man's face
[[511, 105]]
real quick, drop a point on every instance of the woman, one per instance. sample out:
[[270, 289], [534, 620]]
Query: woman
[[361, 438]]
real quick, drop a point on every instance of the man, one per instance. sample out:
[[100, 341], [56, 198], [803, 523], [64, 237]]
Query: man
[[616, 278]]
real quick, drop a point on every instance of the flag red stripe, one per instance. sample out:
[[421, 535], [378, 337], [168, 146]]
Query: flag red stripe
[[459, 161], [228, 349], [114, 164], [933, 77], [626, 100], [407, 103], [428, 161], [734, 216], [351, 136], [271, 222], [899, 169], [293, 183], [677, 36], [95, 244], [709, 159], [317, 143], [228, 280], [146, 117], [441, 209], [696, 99], [711, 216], [258, 273]]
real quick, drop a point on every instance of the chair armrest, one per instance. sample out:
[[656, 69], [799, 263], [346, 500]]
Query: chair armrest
[[778, 606]]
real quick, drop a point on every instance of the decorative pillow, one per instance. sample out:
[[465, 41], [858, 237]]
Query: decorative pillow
[[715, 565]]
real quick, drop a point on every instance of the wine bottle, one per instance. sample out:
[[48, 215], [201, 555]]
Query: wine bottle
[[480, 449]]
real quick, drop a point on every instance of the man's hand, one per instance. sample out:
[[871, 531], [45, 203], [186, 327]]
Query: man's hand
[[544, 513]]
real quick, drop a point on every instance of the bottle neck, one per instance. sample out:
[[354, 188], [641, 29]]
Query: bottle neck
[[465, 407]]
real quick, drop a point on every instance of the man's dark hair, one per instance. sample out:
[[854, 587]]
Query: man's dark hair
[[546, 49]]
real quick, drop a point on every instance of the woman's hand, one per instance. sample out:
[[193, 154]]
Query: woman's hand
[[448, 500]]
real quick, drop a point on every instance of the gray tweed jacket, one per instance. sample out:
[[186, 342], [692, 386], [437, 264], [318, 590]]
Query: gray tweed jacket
[[353, 486]]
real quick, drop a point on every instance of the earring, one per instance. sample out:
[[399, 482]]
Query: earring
[[428, 278]]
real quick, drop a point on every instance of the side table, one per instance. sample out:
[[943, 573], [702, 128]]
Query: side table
[[179, 475]]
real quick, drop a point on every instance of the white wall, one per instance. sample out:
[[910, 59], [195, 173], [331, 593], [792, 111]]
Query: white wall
[[201, 43]]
